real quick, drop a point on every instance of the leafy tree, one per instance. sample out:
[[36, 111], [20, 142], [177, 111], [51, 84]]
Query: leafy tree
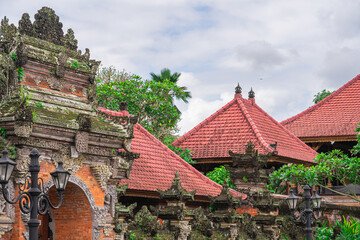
[[321, 95], [332, 165], [220, 175], [111, 74], [166, 75]]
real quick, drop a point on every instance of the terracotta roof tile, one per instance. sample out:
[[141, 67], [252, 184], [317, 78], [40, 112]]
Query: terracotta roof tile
[[157, 165], [237, 123], [336, 115]]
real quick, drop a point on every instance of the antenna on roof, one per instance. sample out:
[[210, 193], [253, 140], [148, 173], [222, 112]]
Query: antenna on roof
[[238, 89], [251, 94]]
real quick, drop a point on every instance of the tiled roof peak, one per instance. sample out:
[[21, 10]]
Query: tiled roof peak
[[237, 123], [336, 115]]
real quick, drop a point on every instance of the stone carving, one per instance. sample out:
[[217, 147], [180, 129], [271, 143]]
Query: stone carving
[[225, 205], [9, 32], [2, 205], [250, 166], [7, 210], [124, 162], [107, 230], [85, 93], [82, 142], [40, 143], [22, 166], [102, 174], [176, 191], [70, 164], [23, 129], [47, 26], [7, 68], [110, 199], [185, 229], [146, 221], [54, 82], [25, 25], [21, 55], [23, 124], [60, 67], [98, 216], [70, 40], [123, 228]]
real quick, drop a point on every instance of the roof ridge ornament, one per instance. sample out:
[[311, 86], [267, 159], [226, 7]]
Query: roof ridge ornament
[[238, 89], [251, 93]]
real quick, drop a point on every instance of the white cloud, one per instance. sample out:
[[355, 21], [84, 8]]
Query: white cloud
[[297, 48], [199, 109], [188, 79]]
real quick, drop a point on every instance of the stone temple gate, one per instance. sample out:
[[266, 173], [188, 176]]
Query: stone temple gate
[[48, 102]]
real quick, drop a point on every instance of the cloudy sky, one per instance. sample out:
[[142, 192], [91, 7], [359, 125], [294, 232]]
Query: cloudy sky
[[287, 51]]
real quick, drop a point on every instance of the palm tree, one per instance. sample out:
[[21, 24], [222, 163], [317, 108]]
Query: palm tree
[[166, 75]]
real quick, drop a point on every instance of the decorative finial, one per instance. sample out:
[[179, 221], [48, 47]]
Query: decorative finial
[[251, 94], [238, 89]]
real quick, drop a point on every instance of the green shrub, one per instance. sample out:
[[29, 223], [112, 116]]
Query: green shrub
[[324, 233], [349, 230], [220, 175]]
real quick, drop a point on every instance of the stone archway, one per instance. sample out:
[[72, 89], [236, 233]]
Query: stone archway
[[78, 207]]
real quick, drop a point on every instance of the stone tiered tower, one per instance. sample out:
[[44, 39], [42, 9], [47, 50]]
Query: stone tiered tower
[[48, 102]]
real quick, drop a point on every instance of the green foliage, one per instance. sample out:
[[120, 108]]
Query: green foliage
[[185, 154], [10, 148], [20, 73], [3, 132], [276, 186], [245, 180], [150, 100], [332, 165], [349, 230], [321, 95], [324, 233], [166, 75], [13, 56], [220, 175], [39, 105], [75, 64], [356, 150]]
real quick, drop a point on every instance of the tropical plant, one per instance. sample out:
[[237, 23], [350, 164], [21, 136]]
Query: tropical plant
[[321, 95], [324, 232], [184, 153], [150, 100], [349, 229], [334, 165], [220, 175], [166, 75]]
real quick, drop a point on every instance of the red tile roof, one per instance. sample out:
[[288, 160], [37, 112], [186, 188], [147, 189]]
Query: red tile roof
[[237, 123], [157, 165], [336, 115]]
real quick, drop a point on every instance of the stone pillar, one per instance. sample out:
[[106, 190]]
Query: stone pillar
[[248, 170], [225, 218], [175, 211]]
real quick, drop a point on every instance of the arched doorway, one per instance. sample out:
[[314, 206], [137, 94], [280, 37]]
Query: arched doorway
[[72, 221]]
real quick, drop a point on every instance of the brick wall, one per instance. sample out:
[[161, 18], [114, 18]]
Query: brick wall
[[73, 220]]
